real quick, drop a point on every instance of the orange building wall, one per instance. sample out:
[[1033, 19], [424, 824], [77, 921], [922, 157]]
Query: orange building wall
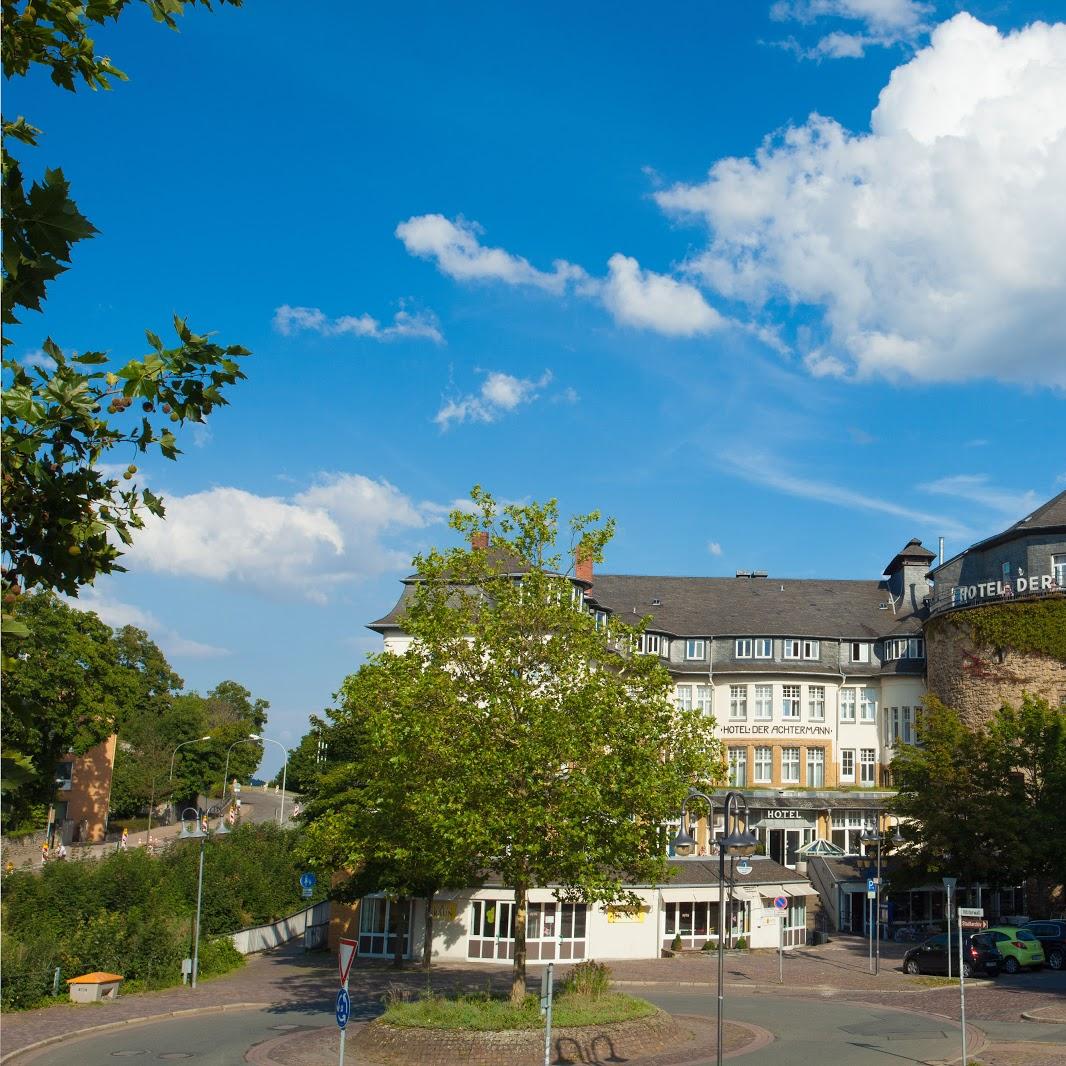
[[89, 794]]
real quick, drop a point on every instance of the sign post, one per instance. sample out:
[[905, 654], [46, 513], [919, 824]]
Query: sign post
[[964, 912], [307, 884], [345, 954], [871, 895], [547, 988], [949, 887], [780, 903]]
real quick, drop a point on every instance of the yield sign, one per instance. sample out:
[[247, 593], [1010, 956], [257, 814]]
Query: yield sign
[[345, 954]]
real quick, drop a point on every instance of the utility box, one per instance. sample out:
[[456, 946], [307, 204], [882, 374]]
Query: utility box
[[94, 987]]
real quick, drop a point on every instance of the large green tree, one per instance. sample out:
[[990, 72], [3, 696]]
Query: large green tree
[[985, 803], [545, 747]]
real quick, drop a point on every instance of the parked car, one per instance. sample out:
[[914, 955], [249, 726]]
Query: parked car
[[1052, 937], [980, 956], [1018, 946]]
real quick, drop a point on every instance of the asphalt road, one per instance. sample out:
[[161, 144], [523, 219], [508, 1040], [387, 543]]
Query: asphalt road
[[831, 1033]]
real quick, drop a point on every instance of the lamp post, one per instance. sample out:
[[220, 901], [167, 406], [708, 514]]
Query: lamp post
[[225, 773], [173, 756], [731, 840], [201, 833], [870, 839], [284, 771]]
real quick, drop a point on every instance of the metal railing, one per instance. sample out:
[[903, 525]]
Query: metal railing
[[950, 599]]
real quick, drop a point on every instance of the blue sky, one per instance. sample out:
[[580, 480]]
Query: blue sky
[[598, 252]]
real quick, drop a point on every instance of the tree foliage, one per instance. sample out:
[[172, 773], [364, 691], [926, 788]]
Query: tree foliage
[[986, 803], [515, 735]]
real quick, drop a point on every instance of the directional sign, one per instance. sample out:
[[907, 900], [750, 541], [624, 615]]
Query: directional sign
[[344, 1008], [345, 954], [780, 902], [971, 912], [308, 880], [307, 893]]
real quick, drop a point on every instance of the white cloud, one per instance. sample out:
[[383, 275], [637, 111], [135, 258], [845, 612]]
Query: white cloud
[[117, 614], [499, 394], [884, 23], [289, 320], [930, 247], [38, 358], [714, 547], [338, 530], [768, 470], [657, 302], [459, 253], [975, 488]]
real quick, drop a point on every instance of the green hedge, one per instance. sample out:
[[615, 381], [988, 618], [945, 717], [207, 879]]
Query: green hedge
[[132, 914]]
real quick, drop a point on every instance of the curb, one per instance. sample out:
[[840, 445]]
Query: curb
[[88, 1030], [1035, 1016]]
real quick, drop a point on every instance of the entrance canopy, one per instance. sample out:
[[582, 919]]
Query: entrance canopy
[[784, 823], [819, 847]]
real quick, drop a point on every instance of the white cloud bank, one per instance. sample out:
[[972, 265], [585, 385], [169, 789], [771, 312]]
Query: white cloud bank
[[884, 23], [635, 297], [499, 394], [931, 247], [338, 530], [291, 320], [977, 489]]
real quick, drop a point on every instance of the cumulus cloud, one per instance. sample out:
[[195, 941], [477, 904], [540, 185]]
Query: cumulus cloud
[[714, 547], [499, 394], [930, 248], [634, 296], [339, 529], [37, 358], [290, 320], [117, 614], [978, 489], [882, 23], [657, 302], [458, 252]]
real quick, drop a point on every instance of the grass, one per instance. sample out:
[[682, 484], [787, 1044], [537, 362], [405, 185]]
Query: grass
[[481, 1013]]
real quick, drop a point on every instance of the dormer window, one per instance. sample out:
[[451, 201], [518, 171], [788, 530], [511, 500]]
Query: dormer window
[[695, 649], [650, 643]]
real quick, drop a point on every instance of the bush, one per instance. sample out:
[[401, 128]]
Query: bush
[[709, 945], [675, 944], [219, 956], [742, 943], [588, 978]]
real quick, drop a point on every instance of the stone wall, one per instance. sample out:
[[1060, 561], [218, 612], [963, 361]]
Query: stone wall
[[976, 679]]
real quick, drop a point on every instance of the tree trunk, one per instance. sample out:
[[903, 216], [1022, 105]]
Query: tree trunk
[[401, 930], [427, 940], [518, 972]]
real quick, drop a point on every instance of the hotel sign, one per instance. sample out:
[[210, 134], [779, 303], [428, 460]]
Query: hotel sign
[[988, 589], [770, 730]]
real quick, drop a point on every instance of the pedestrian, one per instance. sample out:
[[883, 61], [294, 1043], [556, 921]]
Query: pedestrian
[[296, 810], [124, 843], [61, 851], [44, 853]]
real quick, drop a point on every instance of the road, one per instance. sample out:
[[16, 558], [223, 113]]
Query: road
[[831, 1033]]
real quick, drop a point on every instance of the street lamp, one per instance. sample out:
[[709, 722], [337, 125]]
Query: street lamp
[[225, 773], [869, 838], [151, 803], [284, 771], [201, 832], [732, 840]]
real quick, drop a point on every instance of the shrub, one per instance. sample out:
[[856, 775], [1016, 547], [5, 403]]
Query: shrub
[[675, 944], [742, 943], [219, 956], [588, 978], [709, 945]]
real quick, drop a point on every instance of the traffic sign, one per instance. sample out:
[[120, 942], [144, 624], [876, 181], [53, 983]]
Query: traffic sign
[[871, 887], [308, 880], [344, 1008], [307, 893], [345, 954], [780, 902], [971, 912]]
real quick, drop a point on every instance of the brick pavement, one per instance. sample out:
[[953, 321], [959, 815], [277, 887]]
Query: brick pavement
[[1023, 1053]]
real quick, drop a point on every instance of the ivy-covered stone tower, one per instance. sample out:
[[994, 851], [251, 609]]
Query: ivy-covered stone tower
[[996, 626]]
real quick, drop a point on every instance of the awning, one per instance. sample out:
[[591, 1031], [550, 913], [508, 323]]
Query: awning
[[690, 894], [746, 892], [784, 823], [773, 891]]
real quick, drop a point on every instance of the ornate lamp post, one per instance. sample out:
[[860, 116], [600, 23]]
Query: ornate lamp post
[[734, 840], [201, 832], [869, 838]]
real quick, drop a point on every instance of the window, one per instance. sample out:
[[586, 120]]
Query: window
[[867, 766], [1058, 570], [915, 648], [764, 648], [816, 703], [703, 698], [905, 648], [764, 765], [738, 701], [64, 775], [738, 767], [815, 767], [860, 651], [907, 725], [892, 729], [793, 648], [790, 766], [790, 701], [764, 702], [743, 650], [847, 705], [601, 619], [650, 643], [684, 697], [868, 707], [847, 764], [812, 649], [695, 649]]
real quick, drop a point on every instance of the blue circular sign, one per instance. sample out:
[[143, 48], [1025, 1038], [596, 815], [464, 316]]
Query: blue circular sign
[[308, 880], [780, 902], [344, 1008]]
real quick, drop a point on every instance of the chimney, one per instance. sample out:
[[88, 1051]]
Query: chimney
[[583, 567], [479, 539]]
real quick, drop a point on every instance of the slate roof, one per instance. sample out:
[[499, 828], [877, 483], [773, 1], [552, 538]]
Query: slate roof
[[770, 607], [764, 871]]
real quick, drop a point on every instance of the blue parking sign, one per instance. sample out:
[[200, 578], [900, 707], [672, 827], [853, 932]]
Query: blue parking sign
[[344, 1008]]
